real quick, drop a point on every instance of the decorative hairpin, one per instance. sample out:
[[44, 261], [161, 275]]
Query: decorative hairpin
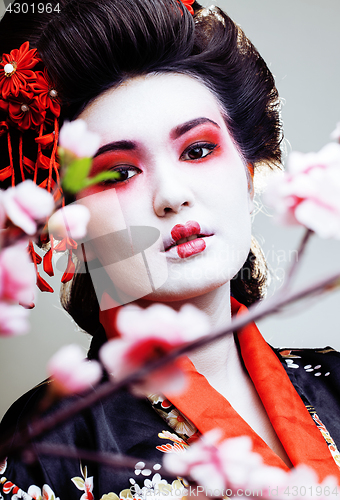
[[29, 101], [188, 4]]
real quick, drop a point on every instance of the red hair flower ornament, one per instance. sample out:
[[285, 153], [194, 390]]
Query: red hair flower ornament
[[188, 4], [25, 112], [46, 93], [16, 70], [27, 95]]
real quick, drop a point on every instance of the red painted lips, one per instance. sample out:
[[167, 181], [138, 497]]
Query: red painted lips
[[185, 232], [190, 228]]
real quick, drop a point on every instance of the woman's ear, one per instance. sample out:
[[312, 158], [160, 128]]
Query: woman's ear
[[251, 192]]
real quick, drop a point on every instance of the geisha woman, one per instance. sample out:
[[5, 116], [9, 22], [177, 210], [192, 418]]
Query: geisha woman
[[187, 110]]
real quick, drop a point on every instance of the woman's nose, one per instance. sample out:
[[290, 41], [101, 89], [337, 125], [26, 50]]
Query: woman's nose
[[172, 193]]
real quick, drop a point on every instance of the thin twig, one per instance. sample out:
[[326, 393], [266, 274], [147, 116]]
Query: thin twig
[[271, 306], [296, 262], [104, 458]]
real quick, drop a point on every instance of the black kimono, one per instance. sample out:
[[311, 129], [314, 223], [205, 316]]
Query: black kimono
[[146, 429]]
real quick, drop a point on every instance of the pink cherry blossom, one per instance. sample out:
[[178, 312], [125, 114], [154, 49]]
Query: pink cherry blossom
[[335, 135], [3, 215], [162, 322], [70, 221], [26, 204], [231, 464], [13, 319], [308, 193], [147, 334], [200, 461], [17, 275], [71, 373], [75, 137]]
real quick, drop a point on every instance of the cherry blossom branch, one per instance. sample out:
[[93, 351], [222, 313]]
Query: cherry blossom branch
[[108, 459], [42, 425], [296, 262]]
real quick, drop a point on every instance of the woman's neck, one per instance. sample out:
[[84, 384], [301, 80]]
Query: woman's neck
[[211, 360], [219, 361], [216, 304]]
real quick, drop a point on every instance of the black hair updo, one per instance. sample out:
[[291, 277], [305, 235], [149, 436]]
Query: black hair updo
[[94, 45]]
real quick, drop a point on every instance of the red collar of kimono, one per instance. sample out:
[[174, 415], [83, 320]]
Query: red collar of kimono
[[208, 409]]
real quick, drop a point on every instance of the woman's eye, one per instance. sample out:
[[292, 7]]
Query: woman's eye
[[198, 151], [125, 173]]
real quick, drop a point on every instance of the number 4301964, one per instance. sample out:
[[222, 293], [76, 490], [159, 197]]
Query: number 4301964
[[311, 491], [40, 8]]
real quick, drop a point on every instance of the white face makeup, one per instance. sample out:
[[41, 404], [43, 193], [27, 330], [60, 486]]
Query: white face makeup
[[167, 137]]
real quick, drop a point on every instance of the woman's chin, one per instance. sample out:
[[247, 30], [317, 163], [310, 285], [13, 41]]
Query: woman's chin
[[183, 290]]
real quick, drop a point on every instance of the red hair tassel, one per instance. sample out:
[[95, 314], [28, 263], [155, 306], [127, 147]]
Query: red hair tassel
[[10, 157], [39, 151], [70, 269], [48, 267], [21, 159], [52, 160]]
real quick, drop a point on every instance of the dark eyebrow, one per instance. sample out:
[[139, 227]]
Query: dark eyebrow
[[115, 146], [176, 132], [185, 127]]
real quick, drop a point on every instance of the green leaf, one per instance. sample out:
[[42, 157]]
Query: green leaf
[[66, 157], [76, 175], [101, 177]]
